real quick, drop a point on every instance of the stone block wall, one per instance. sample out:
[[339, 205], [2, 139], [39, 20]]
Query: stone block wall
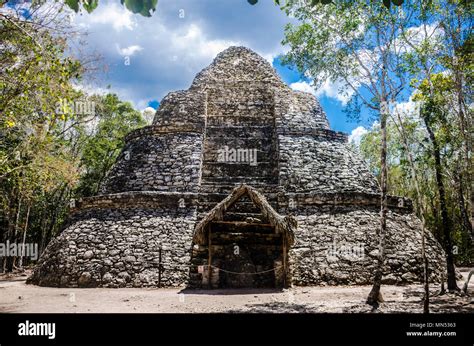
[[240, 99], [240, 118], [157, 162], [339, 245], [182, 108], [309, 163], [120, 247], [299, 111]]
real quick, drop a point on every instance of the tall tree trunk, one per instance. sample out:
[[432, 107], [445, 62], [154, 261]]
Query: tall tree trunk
[[43, 228], [375, 296], [10, 234], [24, 233], [6, 234], [17, 219], [17, 223], [445, 222], [421, 212], [465, 124], [465, 220]]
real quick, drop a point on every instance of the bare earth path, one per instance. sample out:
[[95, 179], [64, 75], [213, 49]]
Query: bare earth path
[[16, 296]]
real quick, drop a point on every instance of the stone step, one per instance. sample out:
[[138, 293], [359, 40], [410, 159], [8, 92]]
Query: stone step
[[238, 207], [217, 197], [237, 180], [241, 227], [239, 150], [217, 192], [259, 119], [261, 131], [237, 216], [260, 172], [267, 239], [255, 183]]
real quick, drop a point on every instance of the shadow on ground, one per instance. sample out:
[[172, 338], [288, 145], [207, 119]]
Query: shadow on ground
[[231, 291], [280, 307], [413, 303]]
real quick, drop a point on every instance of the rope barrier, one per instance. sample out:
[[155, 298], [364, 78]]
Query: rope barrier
[[222, 270], [240, 273]]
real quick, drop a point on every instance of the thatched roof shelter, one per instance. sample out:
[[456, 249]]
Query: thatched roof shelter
[[285, 225]]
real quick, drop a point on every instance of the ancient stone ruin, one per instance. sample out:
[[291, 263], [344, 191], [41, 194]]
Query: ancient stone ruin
[[239, 182]]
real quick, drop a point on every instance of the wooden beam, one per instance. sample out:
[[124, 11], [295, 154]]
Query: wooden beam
[[241, 223], [242, 227]]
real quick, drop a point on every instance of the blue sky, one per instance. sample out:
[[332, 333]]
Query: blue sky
[[332, 105], [148, 57]]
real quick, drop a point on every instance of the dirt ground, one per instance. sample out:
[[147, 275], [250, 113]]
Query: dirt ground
[[17, 297]]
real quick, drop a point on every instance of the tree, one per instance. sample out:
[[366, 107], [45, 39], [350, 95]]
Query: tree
[[439, 67], [456, 20], [102, 146], [432, 111], [355, 44], [386, 3], [53, 138], [146, 8], [34, 76], [404, 134]]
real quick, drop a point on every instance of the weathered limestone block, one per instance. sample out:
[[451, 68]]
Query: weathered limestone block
[[117, 267], [327, 250]]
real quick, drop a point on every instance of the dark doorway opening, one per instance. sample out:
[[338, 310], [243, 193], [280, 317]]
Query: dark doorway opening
[[242, 243], [245, 254]]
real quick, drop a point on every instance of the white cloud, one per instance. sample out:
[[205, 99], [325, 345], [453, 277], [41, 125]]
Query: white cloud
[[148, 110], [91, 89], [169, 51], [335, 90], [357, 134], [128, 51], [193, 44], [303, 86], [275, 53], [416, 35], [330, 89], [368, 63], [110, 14], [406, 110]]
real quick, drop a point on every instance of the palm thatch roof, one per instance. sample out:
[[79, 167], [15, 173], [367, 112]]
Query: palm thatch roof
[[283, 224]]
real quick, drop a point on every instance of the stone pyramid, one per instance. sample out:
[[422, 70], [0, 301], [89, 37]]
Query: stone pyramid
[[238, 123]]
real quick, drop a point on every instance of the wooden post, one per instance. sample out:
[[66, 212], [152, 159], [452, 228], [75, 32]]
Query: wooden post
[[159, 267], [284, 262], [209, 259]]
